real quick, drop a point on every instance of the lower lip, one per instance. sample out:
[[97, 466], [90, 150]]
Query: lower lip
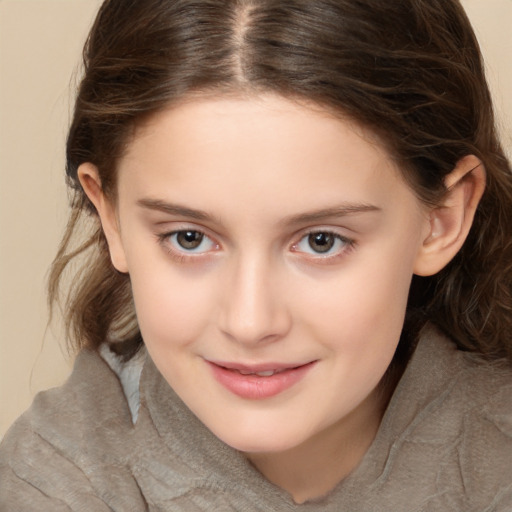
[[254, 387]]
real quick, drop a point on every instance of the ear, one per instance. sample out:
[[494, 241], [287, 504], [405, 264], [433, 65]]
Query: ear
[[450, 222], [91, 183]]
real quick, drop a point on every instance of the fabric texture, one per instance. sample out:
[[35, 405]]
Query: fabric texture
[[445, 444]]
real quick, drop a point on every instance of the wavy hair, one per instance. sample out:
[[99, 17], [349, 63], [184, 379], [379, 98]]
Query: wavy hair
[[411, 71]]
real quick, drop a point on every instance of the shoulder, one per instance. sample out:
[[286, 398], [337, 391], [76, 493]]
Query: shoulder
[[485, 449], [438, 371], [483, 393], [89, 401], [463, 427], [58, 452]]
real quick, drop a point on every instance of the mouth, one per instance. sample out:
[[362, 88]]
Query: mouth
[[258, 382]]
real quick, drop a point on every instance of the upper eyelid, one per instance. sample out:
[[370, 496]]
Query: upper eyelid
[[186, 226], [336, 231]]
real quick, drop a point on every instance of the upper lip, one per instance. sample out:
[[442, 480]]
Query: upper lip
[[260, 367]]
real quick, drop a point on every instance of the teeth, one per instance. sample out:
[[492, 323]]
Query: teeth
[[267, 373]]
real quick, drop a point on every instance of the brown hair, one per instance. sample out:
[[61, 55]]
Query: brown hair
[[410, 70]]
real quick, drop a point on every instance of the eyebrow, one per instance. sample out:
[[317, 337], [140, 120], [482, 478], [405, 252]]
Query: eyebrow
[[342, 210], [174, 209]]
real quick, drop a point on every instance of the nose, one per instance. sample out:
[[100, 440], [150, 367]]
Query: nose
[[254, 308]]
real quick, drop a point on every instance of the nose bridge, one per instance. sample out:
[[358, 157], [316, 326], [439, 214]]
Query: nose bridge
[[254, 309]]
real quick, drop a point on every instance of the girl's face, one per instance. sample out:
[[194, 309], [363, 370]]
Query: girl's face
[[270, 248]]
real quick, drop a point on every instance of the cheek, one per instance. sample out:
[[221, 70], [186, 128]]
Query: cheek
[[172, 308], [362, 307]]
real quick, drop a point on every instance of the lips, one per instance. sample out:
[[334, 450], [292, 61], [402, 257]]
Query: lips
[[257, 382]]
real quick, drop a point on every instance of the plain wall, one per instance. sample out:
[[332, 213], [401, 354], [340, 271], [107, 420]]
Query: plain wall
[[40, 45]]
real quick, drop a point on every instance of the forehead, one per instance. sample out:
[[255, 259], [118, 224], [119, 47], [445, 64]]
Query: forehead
[[282, 151], [210, 116]]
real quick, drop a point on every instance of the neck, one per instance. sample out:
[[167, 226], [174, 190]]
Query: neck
[[315, 467]]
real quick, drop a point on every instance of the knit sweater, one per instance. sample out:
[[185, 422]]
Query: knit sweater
[[444, 444]]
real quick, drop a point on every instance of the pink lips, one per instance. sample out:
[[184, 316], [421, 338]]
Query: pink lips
[[260, 381]]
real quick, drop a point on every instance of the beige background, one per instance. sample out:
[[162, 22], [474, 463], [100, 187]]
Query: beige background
[[40, 44]]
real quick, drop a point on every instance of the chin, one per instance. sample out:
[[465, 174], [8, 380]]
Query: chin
[[261, 440]]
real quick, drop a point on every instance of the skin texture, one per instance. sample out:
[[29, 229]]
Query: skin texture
[[256, 176]]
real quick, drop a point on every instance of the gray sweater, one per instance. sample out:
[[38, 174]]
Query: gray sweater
[[445, 444]]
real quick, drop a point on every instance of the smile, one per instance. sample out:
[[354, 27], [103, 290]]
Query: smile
[[258, 382]]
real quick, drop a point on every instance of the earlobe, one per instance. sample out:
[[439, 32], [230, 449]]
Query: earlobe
[[450, 222], [91, 183]]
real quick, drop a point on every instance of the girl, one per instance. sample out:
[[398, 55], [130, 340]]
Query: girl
[[293, 224]]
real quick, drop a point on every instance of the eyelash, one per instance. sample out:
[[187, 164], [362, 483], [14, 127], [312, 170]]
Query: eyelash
[[183, 256]]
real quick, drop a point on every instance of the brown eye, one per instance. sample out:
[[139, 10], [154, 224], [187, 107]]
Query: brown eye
[[321, 242], [189, 240], [323, 245]]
